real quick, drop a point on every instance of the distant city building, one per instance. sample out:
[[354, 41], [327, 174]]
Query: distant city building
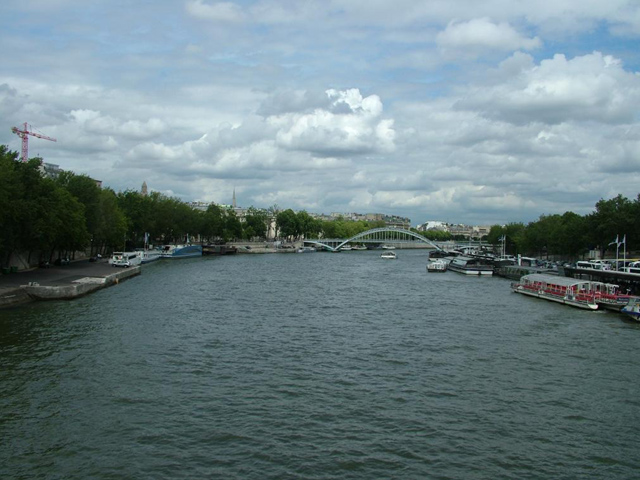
[[144, 189], [389, 220], [53, 171], [50, 170], [461, 230]]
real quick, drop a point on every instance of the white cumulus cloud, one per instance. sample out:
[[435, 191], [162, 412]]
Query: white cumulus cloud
[[481, 34]]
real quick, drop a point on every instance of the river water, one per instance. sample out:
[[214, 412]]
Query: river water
[[316, 366]]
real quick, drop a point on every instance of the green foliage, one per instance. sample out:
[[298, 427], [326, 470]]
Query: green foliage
[[256, 222], [287, 223]]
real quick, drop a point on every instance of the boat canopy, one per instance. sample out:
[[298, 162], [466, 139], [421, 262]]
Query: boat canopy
[[552, 279]]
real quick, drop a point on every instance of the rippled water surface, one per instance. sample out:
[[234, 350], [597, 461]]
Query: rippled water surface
[[316, 366]]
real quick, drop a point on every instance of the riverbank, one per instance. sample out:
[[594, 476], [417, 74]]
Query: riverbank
[[62, 282]]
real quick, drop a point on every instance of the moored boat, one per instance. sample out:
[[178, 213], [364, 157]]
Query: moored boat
[[148, 256], [471, 266], [181, 251], [306, 250], [389, 255], [569, 291], [632, 309], [608, 296], [219, 250], [437, 266], [124, 259]]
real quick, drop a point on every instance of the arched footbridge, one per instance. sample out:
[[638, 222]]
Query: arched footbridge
[[380, 236]]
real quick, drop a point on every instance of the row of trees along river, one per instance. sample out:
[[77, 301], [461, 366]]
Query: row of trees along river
[[54, 217]]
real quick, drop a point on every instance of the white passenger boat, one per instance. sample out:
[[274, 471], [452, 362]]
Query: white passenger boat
[[570, 291], [471, 266], [306, 250], [437, 266], [148, 256], [389, 255], [632, 309], [388, 247], [608, 296], [124, 259]]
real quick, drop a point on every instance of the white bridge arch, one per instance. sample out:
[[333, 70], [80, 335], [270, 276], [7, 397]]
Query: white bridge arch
[[375, 235]]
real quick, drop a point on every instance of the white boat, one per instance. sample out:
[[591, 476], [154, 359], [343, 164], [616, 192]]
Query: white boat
[[470, 266], [570, 291], [148, 256], [124, 259], [346, 248], [388, 247], [609, 296], [437, 266], [306, 250], [181, 251], [389, 255], [358, 247], [633, 308]]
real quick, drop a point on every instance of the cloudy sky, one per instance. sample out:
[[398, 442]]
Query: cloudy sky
[[463, 111]]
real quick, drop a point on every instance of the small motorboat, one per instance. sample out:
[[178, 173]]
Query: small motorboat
[[633, 309], [437, 266], [389, 255]]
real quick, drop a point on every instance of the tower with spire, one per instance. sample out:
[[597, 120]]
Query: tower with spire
[[233, 202], [144, 189]]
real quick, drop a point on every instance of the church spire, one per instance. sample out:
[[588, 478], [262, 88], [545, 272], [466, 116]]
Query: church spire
[[233, 202]]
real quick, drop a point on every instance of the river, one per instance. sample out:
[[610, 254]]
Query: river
[[316, 366]]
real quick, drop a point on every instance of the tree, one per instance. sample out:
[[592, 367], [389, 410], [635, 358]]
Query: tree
[[87, 192], [612, 218], [287, 223], [112, 223], [232, 226], [213, 223], [256, 223]]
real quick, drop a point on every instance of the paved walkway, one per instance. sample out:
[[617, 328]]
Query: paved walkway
[[57, 274]]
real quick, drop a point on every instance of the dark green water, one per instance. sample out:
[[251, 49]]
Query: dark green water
[[316, 366]]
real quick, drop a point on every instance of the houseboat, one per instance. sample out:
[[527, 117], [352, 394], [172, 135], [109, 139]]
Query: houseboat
[[471, 265], [570, 291]]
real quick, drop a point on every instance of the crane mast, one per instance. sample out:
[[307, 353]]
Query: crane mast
[[24, 135]]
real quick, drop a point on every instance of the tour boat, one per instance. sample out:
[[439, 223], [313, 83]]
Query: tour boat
[[633, 308], [437, 266], [389, 255], [181, 251], [608, 296], [470, 266], [124, 259], [570, 291]]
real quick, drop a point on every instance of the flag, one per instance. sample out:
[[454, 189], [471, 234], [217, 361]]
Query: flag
[[624, 240], [615, 242]]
